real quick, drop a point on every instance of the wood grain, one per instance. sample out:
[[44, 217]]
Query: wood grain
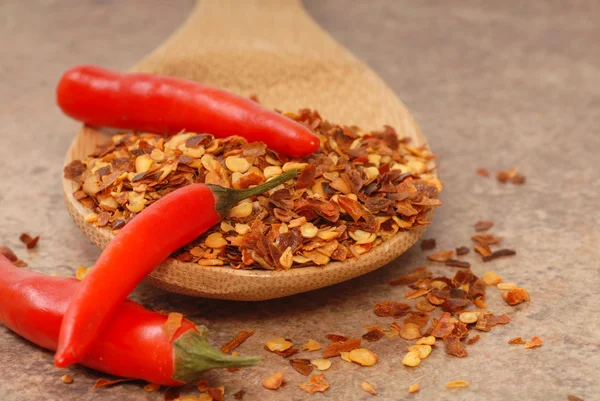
[[272, 49]]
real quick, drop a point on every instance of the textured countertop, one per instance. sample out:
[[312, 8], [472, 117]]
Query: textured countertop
[[492, 84]]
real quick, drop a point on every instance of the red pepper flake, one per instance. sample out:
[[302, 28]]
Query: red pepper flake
[[373, 335], [511, 175], [534, 342], [105, 382], [73, 170], [417, 318], [498, 254], [574, 398], [336, 337], [239, 395], [454, 346], [317, 383], [496, 320], [306, 179], [516, 340], [236, 341], [172, 324], [428, 244], [441, 256], [462, 250], [28, 240], [458, 263], [8, 253], [483, 250], [151, 387], [483, 225], [392, 309], [516, 296], [287, 353], [419, 292], [217, 393], [443, 327], [483, 172], [335, 348], [302, 366], [473, 339], [417, 274], [20, 263], [486, 239]]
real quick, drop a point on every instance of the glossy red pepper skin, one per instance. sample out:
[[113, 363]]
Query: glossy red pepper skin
[[149, 238], [167, 105], [132, 344]]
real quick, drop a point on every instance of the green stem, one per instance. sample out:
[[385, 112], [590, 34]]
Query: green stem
[[194, 355], [228, 198]]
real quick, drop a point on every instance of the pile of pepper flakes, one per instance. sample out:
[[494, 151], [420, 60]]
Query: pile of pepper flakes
[[357, 191]]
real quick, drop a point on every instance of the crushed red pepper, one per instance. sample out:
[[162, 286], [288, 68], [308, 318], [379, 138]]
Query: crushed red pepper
[[236, 341], [358, 190]]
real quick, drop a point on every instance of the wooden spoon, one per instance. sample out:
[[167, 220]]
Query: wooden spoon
[[275, 50]]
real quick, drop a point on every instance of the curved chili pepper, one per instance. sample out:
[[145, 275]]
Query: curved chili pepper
[[167, 105], [132, 344], [159, 230]]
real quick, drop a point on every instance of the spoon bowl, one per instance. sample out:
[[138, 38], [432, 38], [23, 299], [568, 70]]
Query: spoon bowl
[[273, 49]]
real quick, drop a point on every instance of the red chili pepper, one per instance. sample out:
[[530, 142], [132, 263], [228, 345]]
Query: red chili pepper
[[133, 344], [167, 105], [159, 230]]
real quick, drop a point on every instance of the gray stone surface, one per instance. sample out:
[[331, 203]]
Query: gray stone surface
[[492, 84]]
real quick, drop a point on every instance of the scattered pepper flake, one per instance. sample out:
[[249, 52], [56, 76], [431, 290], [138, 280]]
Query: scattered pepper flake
[[321, 364], [441, 256], [336, 337], [429, 340], [8, 254], [317, 383], [311, 345], [278, 344], [410, 331], [274, 381], [428, 244], [67, 379], [483, 225], [392, 309], [574, 398], [171, 394], [507, 286], [491, 278], [454, 346], [516, 296], [424, 350], [105, 382], [462, 250], [498, 254], [363, 357], [443, 327], [236, 341], [150, 387], [416, 275], [483, 172], [534, 342], [457, 384], [419, 292], [424, 305], [335, 348], [203, 386], [172, 324], [458, 263], [411, 359], [29, 241], [302, 366], [81, 272], [516, 340], [413, 388], [473, 339], [373, 335], [368, 387], [239, 395]]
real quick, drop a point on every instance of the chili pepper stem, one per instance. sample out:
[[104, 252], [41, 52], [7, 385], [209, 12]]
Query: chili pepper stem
[[227, 198], [194, 355]]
